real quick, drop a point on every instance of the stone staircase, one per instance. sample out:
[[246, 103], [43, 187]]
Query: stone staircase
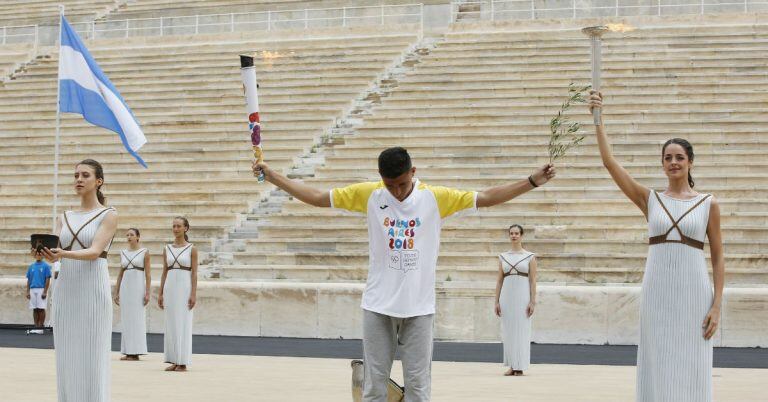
[[472, 108], [14, 58], [175, 8], [187, 94], [474, 113], [29, 12], [247, 232]]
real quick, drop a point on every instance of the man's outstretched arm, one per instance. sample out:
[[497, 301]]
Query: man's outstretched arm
[[301, 191], [500, 194]]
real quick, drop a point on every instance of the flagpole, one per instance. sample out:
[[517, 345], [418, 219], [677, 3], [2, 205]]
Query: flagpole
[[58, 130]]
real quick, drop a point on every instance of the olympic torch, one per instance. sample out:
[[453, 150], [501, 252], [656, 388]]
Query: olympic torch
[[251, 89], [595, 36]]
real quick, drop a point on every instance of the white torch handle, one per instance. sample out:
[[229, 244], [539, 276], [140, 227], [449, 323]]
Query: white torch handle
[[248, 74], [596, 66], [251, 89]]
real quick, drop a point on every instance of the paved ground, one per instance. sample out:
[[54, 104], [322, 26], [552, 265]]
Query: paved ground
[[444, 351], [28, 375]]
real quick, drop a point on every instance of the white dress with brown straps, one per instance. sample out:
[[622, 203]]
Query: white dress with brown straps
[[133, 318], [513, 299], [674, 361], [178, 316], [83, 331]]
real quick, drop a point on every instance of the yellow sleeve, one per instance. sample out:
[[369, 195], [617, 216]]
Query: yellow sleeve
[[451, 200], [354, 197]]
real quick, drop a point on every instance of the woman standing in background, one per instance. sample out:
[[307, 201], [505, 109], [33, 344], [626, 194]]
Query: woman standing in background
[[132, 295], [515, 302], [178, 290]]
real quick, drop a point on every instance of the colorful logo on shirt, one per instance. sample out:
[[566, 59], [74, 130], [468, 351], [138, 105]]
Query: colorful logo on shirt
[[402, 243], [402, 233]]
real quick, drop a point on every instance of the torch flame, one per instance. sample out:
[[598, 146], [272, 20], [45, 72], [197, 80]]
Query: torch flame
[[620, 28], [267, 55], [270, 57]]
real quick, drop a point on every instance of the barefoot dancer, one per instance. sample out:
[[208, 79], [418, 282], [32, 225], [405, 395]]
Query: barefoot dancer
[[678, 312], [178, 289], [83, 332], [515, 302], [132, 295]]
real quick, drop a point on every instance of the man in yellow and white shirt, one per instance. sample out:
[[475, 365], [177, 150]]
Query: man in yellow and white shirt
[[404, 221], [404, 238]]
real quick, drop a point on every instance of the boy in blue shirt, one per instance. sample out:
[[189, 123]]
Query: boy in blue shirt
[[38, 280]]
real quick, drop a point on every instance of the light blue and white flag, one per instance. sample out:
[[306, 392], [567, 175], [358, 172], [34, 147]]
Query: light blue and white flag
[[84, 89]]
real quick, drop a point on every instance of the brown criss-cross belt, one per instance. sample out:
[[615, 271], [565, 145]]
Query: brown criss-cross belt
[[130, 262], [514, 266], [74, 234], [683, 238], [176, 259]]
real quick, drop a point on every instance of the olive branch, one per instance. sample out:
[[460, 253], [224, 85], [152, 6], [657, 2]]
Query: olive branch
[[563, 132]]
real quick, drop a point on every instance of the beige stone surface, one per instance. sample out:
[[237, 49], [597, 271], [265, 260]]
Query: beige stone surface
[[31, 12], [31, 378], [623, 316], [578, 312], [571, 314]]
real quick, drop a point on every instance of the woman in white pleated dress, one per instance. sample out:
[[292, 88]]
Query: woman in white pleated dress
[[178, 290], [132, 295], [516, 301], [679, 312], [83, 330]]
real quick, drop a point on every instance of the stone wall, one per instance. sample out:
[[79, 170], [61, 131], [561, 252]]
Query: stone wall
[[601, 314]]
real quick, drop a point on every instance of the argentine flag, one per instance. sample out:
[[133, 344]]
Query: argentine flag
[[84, 89]]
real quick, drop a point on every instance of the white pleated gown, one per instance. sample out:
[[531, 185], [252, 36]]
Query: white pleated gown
[[51, 296], [515, 323], [178, 316], [83, 319], [674, 361], [133, 322]]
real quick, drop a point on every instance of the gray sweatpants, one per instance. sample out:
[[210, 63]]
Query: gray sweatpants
[[382, 335]]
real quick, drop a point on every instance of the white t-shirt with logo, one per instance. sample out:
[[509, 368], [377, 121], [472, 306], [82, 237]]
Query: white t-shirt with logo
[[404, 241]]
